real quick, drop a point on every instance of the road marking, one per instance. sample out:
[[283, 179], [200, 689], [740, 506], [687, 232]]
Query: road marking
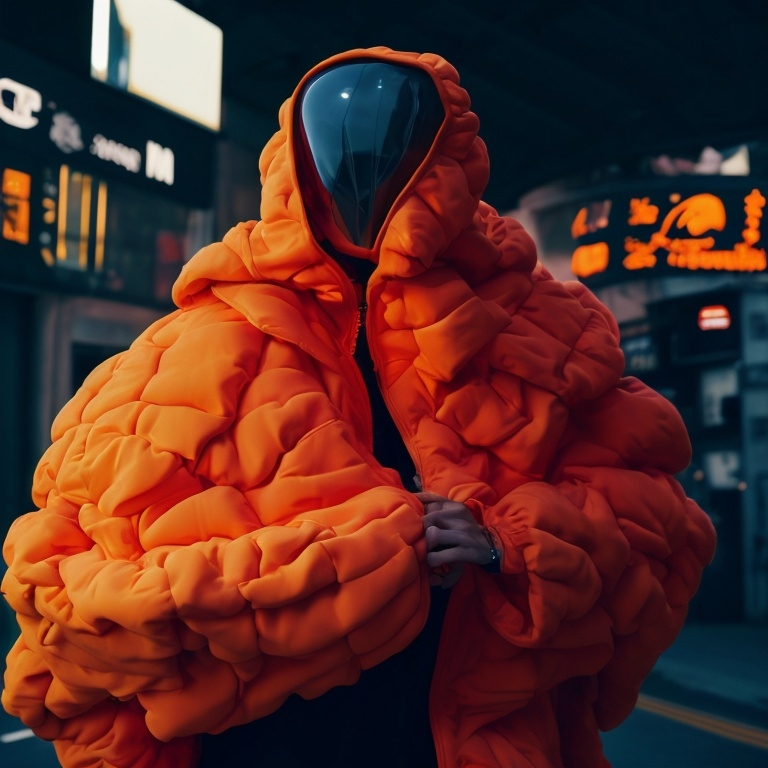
[[720, 726], [24, 733]]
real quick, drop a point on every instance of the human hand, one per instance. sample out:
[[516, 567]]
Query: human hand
[[453, 538]]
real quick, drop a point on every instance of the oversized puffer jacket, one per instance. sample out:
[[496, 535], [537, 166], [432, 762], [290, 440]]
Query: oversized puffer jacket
[[214, 534]]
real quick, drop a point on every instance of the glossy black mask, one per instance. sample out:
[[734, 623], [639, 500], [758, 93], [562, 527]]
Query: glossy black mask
[[364, 128]]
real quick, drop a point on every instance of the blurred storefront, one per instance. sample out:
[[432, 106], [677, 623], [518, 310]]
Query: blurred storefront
[[104, 197], [675, 248]]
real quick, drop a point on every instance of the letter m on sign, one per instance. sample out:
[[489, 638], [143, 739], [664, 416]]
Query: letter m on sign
[[159, 163]]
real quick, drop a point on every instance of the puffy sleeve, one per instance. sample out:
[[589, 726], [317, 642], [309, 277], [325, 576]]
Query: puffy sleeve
[[212, 536], [611, 533], [601, 559], [574, 467]]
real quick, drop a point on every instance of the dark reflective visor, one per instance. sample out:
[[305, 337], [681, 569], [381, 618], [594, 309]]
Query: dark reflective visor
[[367, 126]]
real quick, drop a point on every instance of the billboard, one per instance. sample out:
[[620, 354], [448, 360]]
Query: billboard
[[161, 51], [670, 228], [48, 112], [100, 193]]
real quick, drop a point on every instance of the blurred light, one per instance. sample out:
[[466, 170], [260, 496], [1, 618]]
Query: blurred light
[[49, 205], [159, 163], [101, 226], [16, 183], [100, 37], [14, 205], [698, 475], [590, 259], [737, 164], [47, 255], [714, 318], [85, 220], [161, 51], [742, 486], [61, 240]]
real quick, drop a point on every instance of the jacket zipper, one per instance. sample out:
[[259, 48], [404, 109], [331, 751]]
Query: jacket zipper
[[347, 345], [362, 314], [399, 423]]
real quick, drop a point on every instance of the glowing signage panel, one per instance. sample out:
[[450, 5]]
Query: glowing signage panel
[[16, 187], [25, 102], [67, 134], [714, 318], [161, 51], [670, 233]]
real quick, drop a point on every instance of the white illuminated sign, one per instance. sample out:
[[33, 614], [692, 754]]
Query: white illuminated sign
[[26, 101], [66, 134], [161, 51], [117, 153], [160, 162]]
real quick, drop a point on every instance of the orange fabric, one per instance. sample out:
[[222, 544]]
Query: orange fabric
[[214, 533]]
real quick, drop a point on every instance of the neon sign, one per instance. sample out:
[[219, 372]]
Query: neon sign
[[682, 237], [714, 318], [26, 101], [15, 188]]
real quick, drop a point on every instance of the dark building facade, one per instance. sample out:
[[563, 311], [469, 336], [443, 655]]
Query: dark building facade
[[677, 251]]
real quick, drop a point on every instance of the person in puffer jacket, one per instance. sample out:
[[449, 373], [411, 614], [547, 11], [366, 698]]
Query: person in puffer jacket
[[373, 389]]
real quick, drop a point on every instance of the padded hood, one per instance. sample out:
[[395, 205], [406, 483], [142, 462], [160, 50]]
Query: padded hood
[[362, 130], [438, 200]]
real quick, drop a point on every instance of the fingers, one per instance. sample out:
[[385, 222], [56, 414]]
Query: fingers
[[443, 538], [425, 497], [441, 511], [447, 546], [452, 556], [434, 503], [453, 535], [448, 514]]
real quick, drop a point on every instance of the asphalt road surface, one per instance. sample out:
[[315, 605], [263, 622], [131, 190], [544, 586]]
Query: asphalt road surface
[[659, 734]]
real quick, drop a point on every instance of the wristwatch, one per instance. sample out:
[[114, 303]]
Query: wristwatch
[[494, 566]]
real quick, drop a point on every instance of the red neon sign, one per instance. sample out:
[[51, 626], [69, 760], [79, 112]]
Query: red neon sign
[[714, 318]]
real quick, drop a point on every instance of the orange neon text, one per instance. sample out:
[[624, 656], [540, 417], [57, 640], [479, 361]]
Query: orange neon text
[[697, 217]]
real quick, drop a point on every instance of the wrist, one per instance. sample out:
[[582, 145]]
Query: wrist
[[495, 552]]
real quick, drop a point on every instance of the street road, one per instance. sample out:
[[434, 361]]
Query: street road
[[661, 734], [658, 734]]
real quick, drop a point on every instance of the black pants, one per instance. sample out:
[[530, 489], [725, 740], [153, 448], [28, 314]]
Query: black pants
[[380, 722]]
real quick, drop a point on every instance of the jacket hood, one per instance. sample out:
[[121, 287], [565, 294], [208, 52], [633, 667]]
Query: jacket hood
[[441, 200]]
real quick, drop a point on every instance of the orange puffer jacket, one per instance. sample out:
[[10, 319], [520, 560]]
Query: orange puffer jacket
[[214, 533]]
